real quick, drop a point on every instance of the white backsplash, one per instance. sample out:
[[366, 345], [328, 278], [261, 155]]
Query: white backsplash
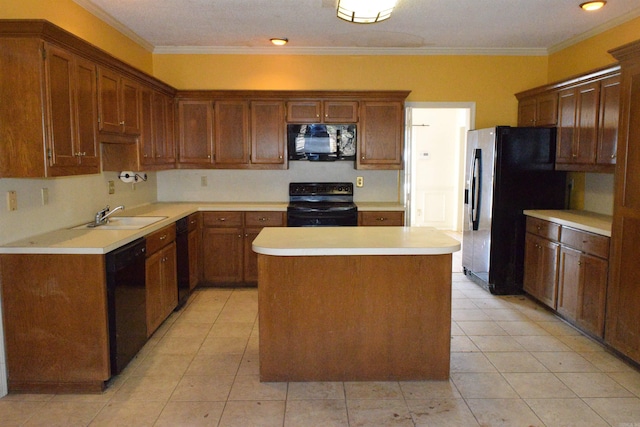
[[273, 185], [598, 193]]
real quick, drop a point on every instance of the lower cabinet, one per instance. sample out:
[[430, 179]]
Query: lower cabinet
[[566, 269], [161, 277], [374, 218], [227, 257]]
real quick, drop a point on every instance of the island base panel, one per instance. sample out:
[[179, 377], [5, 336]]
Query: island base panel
[[354, 318]]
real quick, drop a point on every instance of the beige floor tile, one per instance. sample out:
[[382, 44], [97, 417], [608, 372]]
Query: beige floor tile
[[496, 343], [200, 388], [486, 385], [462, 343], [457, 294], [463, 303], [373, 412], [429, 390], [253, 413], [503, 413], [515, 362], [249, 387], [64, 414], [231, 329], [593, 384], [480, 327], [563, 361], [470, 362], [167, 365], [493, 303], [504, 314], [312, 413], [223, 345], [468, 314], [455, 329], [441, 412], [629, 380], [538, 313], [558, 328], [606, 361], [178, 345], [538, 385], [17, 412], [214, 364], [146, 389], [196, 331], [315, 390], [565, 413], [192, 414], [522, 328], [250, 363], [129, 413], [623, 412], [581, 343], [542, 343], [376, 390]]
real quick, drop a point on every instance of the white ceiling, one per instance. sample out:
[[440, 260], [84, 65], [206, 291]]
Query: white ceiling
[[535, 27]]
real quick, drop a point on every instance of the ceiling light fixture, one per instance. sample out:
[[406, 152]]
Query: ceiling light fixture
[[365, 11], [593, 5], [279, 41]]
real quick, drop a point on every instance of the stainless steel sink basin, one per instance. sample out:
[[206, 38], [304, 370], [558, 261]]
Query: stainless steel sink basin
[[124, 223]]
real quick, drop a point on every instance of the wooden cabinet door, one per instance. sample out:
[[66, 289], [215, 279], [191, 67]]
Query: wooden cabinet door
[[86, 111], [250, 258], [154, 286], [541, 267], [162, 125], [547, 109], [569, 282], [588, 98], [593, 288], [222, 252], [169, 280], [146, 141], [231, 124], [608, 122], [268, 138], [373, 218], [567, 107], [340, 111], [130, 109], [195, 134], [304, 111], [109, 101], [527, 112], [381, 135]]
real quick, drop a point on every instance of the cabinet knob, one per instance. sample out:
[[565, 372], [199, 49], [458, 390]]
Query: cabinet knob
[[263, 219], [122, 123], [222, 219], [362, 157], [381, 219], [613, 156], [574, 155], [164, 236]]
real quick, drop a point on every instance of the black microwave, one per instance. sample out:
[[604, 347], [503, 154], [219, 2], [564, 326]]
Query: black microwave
[[321, 142]]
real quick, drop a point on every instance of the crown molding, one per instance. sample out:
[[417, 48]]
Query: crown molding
[[595, 31], [285, 50], [110, 20]]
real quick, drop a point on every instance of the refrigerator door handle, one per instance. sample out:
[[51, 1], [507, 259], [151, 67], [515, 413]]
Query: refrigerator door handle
[[476, 186]]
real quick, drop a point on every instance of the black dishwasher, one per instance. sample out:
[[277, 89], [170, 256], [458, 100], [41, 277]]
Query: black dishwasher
[[182, 260], [126, 296]]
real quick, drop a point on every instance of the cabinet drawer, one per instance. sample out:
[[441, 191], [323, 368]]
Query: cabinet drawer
[[542, 228], [222, 219], [390, 218], [590, 243], [159, 239], [193, 221], [264, 219]]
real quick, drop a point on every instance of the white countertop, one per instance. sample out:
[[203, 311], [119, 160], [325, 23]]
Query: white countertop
[[100, 241], [582, 220], [319, 241]]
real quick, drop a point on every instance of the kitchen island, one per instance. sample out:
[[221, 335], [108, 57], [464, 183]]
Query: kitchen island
[[354, 303]]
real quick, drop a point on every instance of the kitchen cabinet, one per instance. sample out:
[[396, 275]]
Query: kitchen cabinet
[[322, 111], [608, 120], [161, 276], [380, 141], [542, 251], [380, 218], [226, 244], [578, 124], [623, 296], [56, 330], [538, 110], [50, 127], [118, 103], [156, 142], [195, 133], [231, 133], [268, 134]]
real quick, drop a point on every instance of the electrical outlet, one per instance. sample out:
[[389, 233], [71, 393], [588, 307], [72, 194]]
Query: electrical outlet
[[112, 187], [360, 181], [203, 181], [44, 192], [12, 200]]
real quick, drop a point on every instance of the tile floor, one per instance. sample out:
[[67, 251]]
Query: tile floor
[[512, 364]]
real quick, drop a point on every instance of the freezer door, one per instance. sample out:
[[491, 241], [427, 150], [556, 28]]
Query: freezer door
[[467, 223]]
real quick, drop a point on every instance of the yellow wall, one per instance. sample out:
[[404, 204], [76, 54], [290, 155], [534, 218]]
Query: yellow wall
[[75, 19], [490, 81], [592, 52]]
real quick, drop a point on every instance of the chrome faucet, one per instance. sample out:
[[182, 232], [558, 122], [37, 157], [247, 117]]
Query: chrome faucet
[[102, 216]]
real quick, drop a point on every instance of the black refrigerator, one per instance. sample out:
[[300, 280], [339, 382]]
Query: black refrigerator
[[507, 170]]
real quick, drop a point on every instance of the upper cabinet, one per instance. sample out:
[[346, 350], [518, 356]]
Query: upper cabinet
[[585, 110], [322, 111], [118, 103], [156, 143], [49, 127], [195, 133], [381, 135], [268, 133]]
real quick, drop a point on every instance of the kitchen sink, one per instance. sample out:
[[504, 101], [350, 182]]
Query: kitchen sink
[[124, 223]]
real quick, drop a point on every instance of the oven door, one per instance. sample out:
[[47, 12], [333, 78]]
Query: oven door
[[326, 216]]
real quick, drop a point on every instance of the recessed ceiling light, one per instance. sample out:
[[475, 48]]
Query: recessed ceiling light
[[279, 41], [593, 5]]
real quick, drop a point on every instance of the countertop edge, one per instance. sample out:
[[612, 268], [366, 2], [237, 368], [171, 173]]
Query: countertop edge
[[582, 220]]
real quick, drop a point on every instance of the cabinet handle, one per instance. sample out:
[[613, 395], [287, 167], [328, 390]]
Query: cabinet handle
[[222, 219], [193, 221], [613, 156], [280, 157], [381, 219], [240, 235], [574, 156], [164, 236], [263, 219], [122, 123], [579, 262], [362, 158]]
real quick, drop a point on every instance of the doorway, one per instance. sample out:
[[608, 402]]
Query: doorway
[[434, 181]]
